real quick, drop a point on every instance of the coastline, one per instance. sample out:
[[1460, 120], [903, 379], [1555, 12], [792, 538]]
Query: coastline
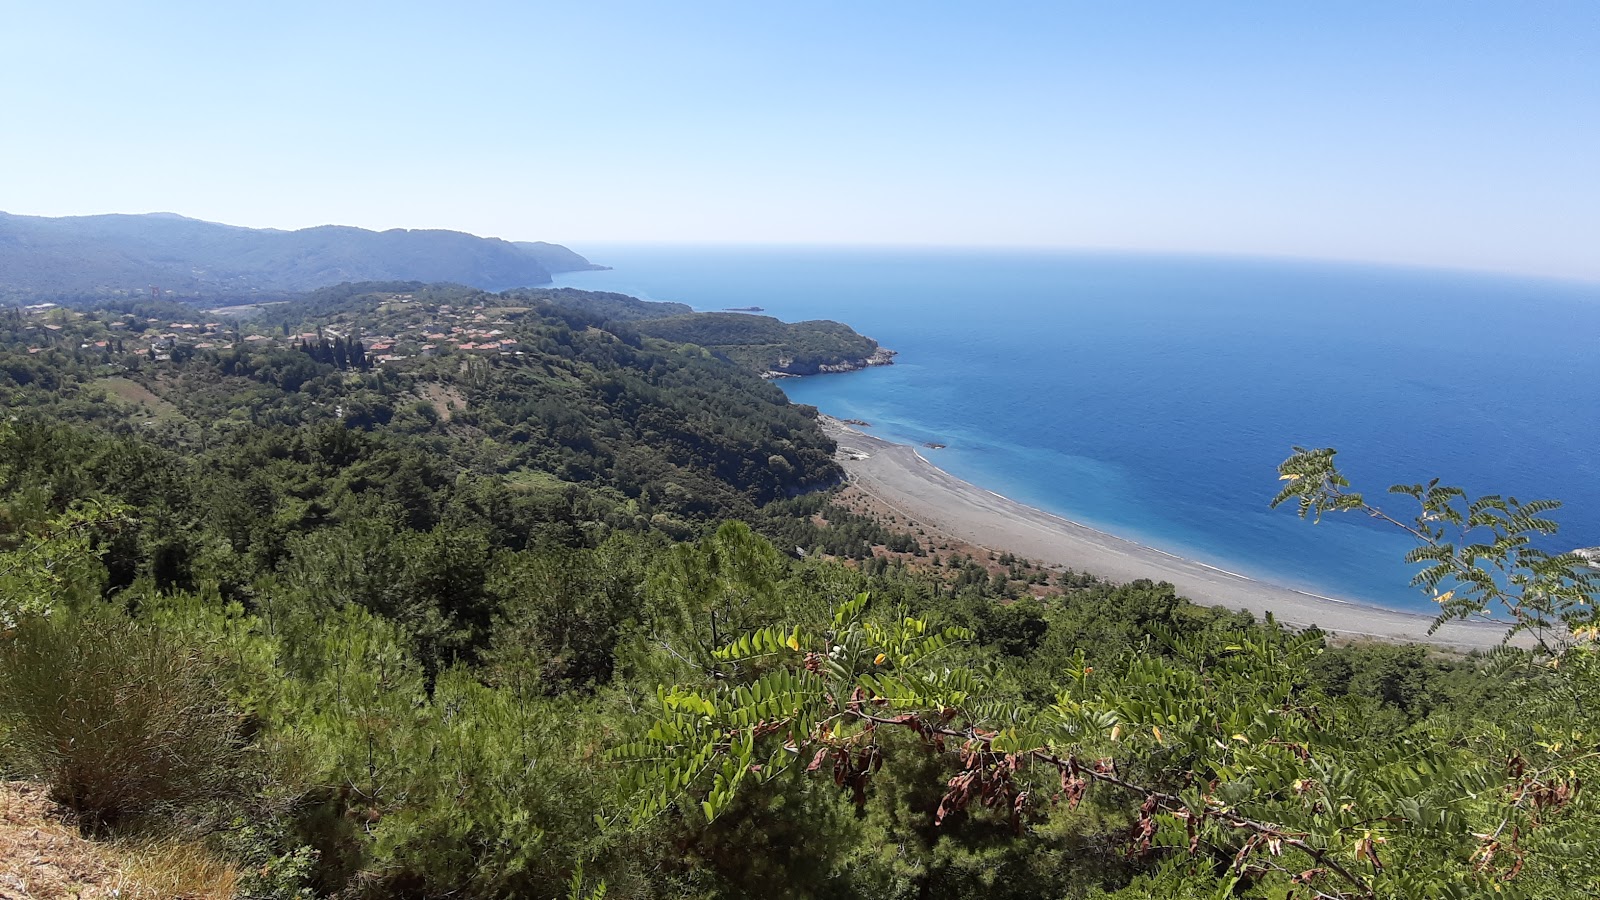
[[900, 478], [882, 356]]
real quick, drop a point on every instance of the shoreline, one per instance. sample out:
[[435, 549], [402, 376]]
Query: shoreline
[[902, 479]]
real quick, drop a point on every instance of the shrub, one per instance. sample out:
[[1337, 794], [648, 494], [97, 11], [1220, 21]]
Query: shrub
[[120, 719]]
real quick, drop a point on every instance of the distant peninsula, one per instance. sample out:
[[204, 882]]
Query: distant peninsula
[[86, 257]]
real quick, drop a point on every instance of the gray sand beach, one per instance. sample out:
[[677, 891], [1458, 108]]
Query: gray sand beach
[[900, 478]]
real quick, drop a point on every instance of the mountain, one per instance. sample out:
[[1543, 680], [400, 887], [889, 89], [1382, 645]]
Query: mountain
[[113, 254]]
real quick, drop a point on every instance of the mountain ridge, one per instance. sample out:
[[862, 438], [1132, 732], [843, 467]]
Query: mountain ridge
[[128, 253]]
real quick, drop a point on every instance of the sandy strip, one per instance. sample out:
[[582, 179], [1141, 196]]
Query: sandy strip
[[900, 478]]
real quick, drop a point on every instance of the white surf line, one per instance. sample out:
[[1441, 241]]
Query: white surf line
[[1044, 512], [1079, 525], [1173, 556], [1157, 550], [1346, 602], [1223, 571]]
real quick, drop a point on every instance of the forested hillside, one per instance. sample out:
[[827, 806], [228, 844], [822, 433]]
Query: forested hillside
[[769, 345], [414, 591], [758, 343], [540, 392]]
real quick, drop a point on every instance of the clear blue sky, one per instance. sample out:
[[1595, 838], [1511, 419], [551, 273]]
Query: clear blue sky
[[1449, 133]]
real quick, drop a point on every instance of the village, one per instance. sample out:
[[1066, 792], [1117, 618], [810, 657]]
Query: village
[[404, 328]]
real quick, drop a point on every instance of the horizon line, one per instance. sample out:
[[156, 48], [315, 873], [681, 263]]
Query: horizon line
[[1107, 250], [1586, 280]]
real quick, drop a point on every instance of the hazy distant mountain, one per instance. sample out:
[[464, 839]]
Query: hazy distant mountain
[[555, 257], [107, 254]]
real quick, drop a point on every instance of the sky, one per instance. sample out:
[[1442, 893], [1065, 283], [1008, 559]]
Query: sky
[[1443, 134]]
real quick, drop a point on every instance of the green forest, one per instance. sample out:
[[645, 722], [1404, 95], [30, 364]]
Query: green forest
[[767, 344], [399, 590]]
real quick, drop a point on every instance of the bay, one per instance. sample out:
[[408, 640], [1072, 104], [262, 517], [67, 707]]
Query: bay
[[1153, 396]]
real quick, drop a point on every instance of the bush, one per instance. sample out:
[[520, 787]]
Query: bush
[[120, 720]]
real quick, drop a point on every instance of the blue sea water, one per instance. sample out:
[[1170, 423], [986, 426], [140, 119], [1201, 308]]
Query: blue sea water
[[1153, 396]]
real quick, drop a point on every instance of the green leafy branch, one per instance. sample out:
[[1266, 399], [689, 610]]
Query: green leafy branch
[[1212, 741], [1477, 554]]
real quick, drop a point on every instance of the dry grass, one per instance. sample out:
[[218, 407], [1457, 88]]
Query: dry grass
[[43, 857], [133, 392], [168, 870], [445, 400], [933, 541]]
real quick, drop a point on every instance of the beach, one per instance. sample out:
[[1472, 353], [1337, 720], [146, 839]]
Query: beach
[[901, 479]]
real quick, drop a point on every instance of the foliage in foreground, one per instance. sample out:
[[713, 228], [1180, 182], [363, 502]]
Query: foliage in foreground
[[1239, 777], [1481, 551]]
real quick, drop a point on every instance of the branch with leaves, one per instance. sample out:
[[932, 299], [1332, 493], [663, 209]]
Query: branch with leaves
[[1215, 745], [1477, 554]]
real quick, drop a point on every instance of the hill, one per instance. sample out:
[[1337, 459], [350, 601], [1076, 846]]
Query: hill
[[557, 387], [404, 317], [112, 255], [606, 305], [772, 346], [760, 344]]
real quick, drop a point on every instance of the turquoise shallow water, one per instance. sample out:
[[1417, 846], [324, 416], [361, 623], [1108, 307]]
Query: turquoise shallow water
[[1153, 396]]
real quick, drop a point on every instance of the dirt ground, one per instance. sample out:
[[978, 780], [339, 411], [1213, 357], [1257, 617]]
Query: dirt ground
[[42, 857]]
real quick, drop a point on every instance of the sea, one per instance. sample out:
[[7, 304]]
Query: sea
[[1153, 396]]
